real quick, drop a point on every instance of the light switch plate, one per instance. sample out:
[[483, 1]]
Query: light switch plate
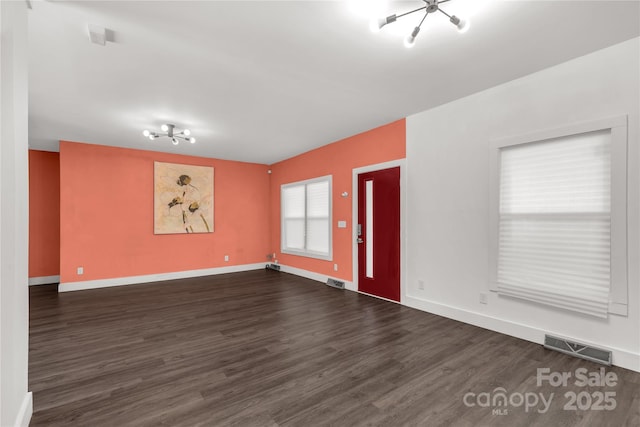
[[342, 224]]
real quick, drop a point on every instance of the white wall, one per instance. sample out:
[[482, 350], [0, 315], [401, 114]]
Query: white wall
[[448, 195], [15, 401]]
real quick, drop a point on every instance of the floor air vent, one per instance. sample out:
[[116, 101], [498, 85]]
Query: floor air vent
[[275, 267], [582, 351], [335, 283]]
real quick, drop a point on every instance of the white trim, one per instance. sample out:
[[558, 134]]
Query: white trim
[[131, 280], [402, 163], [623, 358], [313, 276], [558, 132], [43, 280], [26, 411], [618, 294], [617, 308], [304, 252]]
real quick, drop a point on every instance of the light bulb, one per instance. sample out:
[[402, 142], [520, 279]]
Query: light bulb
[[373, 25], [186, 132], [174, 141], [410, 40], [461, 24], [146, 133], [376, 24], [192, 140], [164, 128], [152, 137]]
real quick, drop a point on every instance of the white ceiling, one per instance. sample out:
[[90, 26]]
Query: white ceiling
[[261, 81]]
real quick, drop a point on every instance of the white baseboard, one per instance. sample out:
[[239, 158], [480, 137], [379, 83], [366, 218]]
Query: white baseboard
[[313, 276], [622, 358], [26, 411], [131, 280], [44, 280], [350, 286]]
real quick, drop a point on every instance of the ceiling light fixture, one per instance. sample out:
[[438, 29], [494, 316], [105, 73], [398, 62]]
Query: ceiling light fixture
[[170, 131], [431, 6]]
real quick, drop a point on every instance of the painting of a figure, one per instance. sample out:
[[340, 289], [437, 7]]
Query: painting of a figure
[[183, 198]]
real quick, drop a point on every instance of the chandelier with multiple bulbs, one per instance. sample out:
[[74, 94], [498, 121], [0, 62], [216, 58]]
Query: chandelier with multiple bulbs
[[431, 6], [170, 131]]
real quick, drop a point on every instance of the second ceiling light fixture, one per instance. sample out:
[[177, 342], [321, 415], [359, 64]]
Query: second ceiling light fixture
[[431, 6]]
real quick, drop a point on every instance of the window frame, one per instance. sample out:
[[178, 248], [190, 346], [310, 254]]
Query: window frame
[[307, 253], [618, 293]]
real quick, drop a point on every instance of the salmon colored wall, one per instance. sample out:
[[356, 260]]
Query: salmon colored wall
[[378, 145], [44, 214], [107, 215]]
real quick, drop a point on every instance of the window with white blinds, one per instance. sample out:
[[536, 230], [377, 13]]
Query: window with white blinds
[[306, 218], [554, 244]]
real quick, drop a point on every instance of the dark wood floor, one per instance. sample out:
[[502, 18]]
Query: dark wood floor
[[264, 348]]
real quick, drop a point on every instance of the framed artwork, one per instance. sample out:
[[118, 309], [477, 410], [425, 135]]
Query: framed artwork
[[183, 198]]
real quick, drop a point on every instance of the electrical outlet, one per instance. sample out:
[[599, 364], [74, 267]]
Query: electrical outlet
[[483, 298], [80, 271], [335, 267], [421, 284], [226, 258]]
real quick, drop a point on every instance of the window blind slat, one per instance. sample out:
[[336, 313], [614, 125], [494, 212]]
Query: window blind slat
[[293, 198], [293, 214], [599, 309], [554, 243], [554, 294], [317, 227]]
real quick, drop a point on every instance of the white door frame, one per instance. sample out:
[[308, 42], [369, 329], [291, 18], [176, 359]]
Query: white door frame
[[402, 163]]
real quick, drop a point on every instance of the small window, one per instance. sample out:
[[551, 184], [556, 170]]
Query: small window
[[306, 218], [558, 220]]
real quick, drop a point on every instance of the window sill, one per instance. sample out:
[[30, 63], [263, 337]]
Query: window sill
[[316, 255]]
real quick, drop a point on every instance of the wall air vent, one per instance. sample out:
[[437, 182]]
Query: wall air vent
[[335, 283], [582, 351]]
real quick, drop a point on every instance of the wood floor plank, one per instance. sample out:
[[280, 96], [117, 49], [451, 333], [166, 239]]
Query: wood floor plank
[[264, 348]]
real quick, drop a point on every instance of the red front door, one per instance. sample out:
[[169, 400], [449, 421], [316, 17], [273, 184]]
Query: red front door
[[379, 233]]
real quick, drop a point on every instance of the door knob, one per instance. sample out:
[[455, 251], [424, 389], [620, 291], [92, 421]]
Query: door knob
[[360, 240]]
